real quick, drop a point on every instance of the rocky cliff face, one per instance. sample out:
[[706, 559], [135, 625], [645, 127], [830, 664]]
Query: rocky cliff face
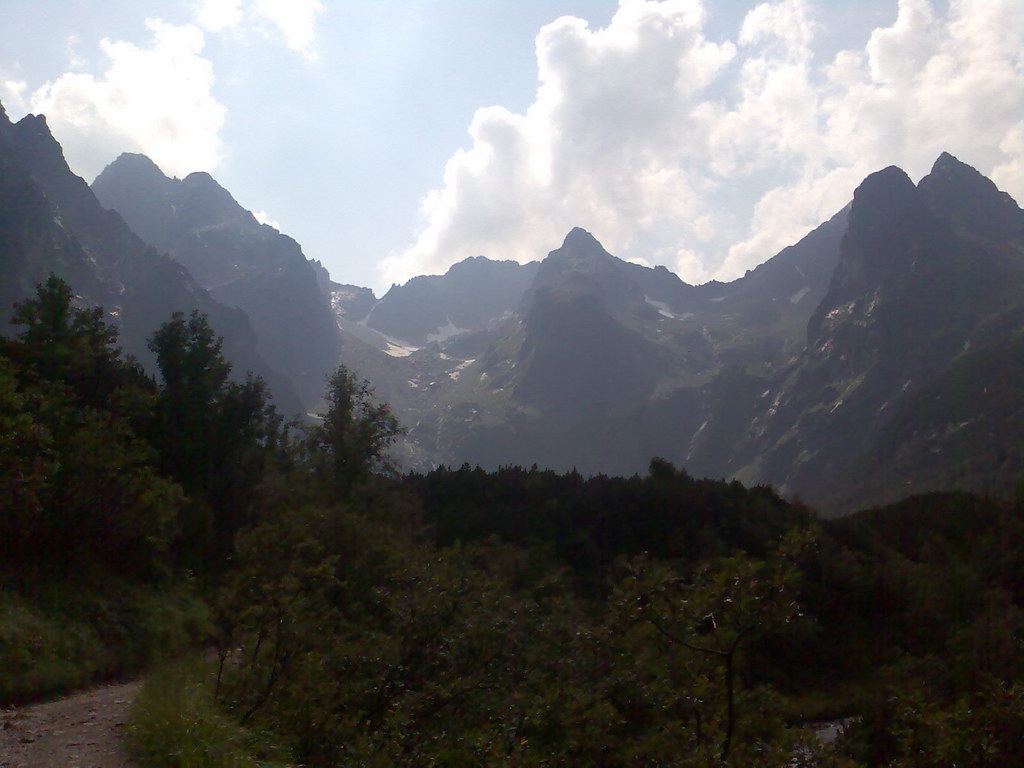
[[51, 222], [241, 262], [472, 295], [856, 364], [970, 204], [607, 363], [918, 280]]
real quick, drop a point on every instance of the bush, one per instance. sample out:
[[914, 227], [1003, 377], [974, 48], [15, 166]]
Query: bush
[[64, 637], [41, 654], [175, 724]]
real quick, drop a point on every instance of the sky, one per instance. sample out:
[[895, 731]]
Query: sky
[[393, 138]]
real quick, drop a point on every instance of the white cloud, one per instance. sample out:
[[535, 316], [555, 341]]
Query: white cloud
[[13, 94], [294, 19], [154, 97], [293, 22], [263, 218], [1009, 174], [710, 157], [788, 23], [156, 100], [603, 146], [218, 15], [75, 59]]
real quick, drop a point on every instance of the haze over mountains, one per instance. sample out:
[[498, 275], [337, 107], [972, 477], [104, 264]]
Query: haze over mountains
[[241, 262], [880, 355], [50, 221]]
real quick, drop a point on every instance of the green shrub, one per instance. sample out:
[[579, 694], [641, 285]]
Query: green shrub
[[175, 724], [65, 637], [40, 654]]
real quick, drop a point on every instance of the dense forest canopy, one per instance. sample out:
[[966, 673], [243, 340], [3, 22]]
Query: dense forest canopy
[[461, 617]]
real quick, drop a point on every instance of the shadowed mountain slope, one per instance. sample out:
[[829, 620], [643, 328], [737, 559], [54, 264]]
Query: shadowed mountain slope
[[241, 262], [917, 282], [51, 222]]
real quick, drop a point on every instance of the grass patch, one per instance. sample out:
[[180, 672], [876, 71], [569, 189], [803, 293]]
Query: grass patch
[[176, 724], [62, 637]]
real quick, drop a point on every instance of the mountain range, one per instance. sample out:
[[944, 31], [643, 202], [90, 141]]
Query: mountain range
[[51, 222], [882, 354]]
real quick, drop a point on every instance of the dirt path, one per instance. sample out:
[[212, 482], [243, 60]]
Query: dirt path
[[84, 730]]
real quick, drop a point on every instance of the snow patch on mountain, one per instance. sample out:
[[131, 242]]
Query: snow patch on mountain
[[795, 298], [447, 331], [457, 370], [665, 310]]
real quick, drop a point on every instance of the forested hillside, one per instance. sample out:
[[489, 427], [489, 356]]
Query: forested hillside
[[462, 617]]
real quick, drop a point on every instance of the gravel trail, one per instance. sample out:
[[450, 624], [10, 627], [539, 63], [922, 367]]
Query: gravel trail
[[82, 730]]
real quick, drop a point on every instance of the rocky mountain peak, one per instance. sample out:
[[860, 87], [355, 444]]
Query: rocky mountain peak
[[60, 227], [157, 206], [883, 196], [135, 187], [137, 179], [579, 250], [134, 164], [203, 182], [35, 124], [889, 229], [887, 211], [581, 267], [240, 262], [970, 202], [42, 151], [948, 171], [42, 157], [468, 262], [474, 265], [580, 242], [946, 162], [470, 295], [207, 201]]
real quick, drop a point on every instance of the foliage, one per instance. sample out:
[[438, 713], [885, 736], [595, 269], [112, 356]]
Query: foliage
[[78, 482], [214, 437], [175, 724], [72, 346], [709, 617], [26, 459], [59, 635], [467, 618], [592, 521], [366, 645], [90, 520], [353, 437]]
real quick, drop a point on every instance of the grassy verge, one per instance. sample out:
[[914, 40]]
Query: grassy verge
[[62, 637], [176, 724]]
